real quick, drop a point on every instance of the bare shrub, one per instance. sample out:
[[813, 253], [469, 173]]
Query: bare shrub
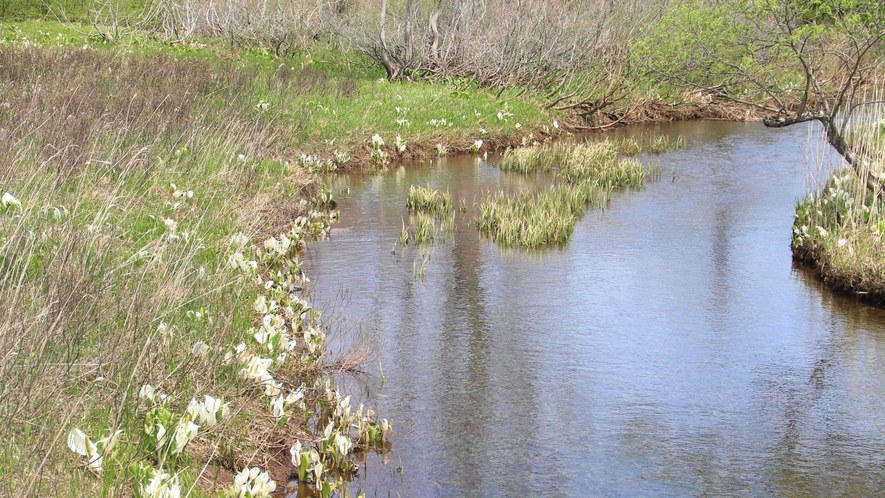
[[574, 52], [278, 25]]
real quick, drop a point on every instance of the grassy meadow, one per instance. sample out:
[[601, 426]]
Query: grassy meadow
[[156, 330]]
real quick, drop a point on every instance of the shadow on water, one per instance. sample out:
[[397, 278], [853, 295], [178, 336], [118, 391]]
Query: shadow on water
[[671, 348]]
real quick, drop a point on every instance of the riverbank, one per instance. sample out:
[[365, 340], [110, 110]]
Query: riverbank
[[838, 231]]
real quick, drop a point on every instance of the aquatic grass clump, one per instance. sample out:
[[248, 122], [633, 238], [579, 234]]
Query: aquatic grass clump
[[430, 201], [663, 143], [532, 220], [430, 212], [424, 228], [627, 146], [585, 173], [606, 174], [527, 159]]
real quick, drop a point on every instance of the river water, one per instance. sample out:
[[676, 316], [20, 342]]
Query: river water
[[672, 348]]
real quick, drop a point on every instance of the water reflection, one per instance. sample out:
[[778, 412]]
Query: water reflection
[[671, 348]]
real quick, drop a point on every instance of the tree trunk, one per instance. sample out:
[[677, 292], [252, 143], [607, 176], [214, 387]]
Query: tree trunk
[[385, 57], [407, 32], [834, 137]]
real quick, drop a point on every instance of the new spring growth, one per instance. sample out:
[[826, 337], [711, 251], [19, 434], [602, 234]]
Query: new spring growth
[[152, 395], [209, 411], [160, 484], [377, 142], [9, 201], [94, 451], [253, 483], [476, 146], [303, 459], [185, 432], [379, 157]]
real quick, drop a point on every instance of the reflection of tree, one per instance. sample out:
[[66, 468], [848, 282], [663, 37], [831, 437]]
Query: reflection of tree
[[463, 361]]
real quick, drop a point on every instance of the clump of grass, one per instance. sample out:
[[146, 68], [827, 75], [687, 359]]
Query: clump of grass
[[431, 212], [424, 228], [663, 143], [606, 174], [430, 201], [586, 173], [576, 162], [627, 146], [532, 220], [527, 159], [421, 230]]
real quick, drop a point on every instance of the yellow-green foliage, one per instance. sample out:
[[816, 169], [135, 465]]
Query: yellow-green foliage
[[431, 211], [532, 220], [527, 159], [431, 201], [585, 173]]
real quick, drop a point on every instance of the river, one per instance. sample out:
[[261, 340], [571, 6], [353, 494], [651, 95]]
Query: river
[[671, 348]]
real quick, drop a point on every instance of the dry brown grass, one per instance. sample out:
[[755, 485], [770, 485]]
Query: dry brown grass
[[89, 269]]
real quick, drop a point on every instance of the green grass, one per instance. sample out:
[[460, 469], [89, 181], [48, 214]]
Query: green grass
[[428, 200], [328, 101], [128, 176], [430, 213], [585, 175]]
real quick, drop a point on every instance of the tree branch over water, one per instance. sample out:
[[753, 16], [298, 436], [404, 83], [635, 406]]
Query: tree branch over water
[[797, 61]]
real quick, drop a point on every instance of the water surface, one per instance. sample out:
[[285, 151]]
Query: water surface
[[672, 348]]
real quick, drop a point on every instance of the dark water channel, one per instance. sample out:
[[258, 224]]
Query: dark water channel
[[672, 348]]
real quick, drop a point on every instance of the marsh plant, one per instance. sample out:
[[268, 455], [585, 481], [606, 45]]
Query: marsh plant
[[527, 159], [531, 220], [430, 201], [430, 212], [422, 229], [584, 176]]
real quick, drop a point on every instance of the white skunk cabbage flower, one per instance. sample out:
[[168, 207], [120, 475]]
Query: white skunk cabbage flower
[[279, 407], [184, 433], [94, 451], [342, 443], [161, 485], [254, 483], [377, 141], [10, 200]]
